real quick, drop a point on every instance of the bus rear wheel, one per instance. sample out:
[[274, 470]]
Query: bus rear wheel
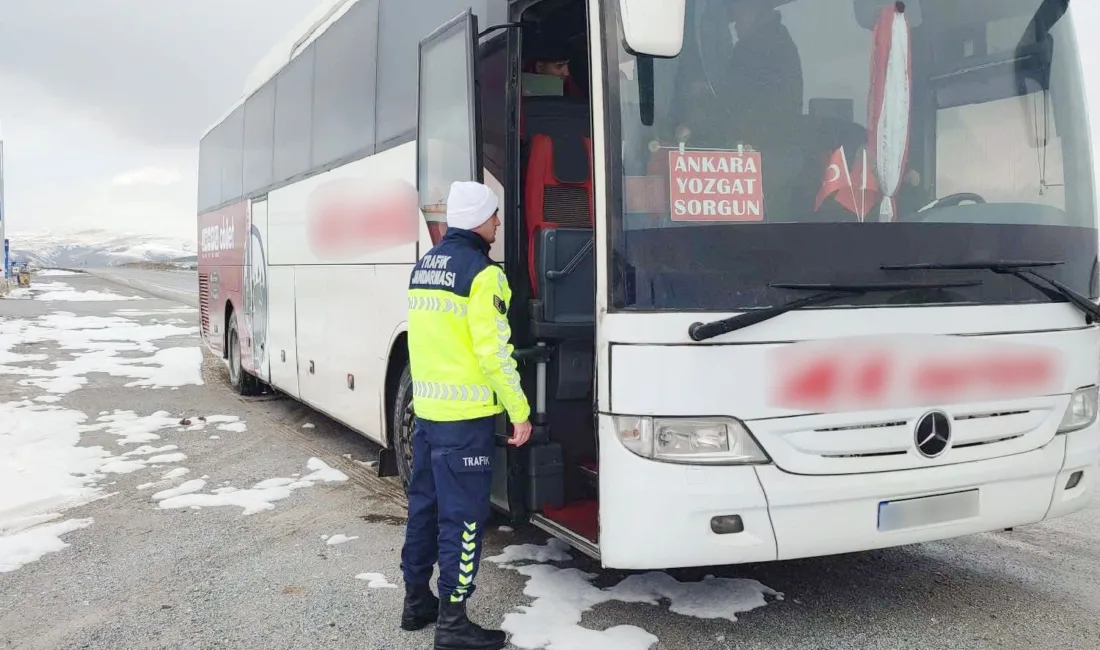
[[242, 382], [404, 424]]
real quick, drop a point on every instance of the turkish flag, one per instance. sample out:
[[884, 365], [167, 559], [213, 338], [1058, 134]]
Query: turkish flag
[[865, 189], [836, 177], [856, 188]]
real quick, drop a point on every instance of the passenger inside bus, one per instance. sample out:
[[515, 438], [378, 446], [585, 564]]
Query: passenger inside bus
[[551, 57], [738, 90]]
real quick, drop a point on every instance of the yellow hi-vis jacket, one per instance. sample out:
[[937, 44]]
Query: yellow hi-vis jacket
[[459, 349]]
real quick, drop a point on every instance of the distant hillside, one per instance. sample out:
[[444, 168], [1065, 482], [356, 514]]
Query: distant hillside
[[99, 248]]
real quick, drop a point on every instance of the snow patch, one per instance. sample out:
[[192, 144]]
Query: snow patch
[[235, 427], [261, 496], [186, 487], [376, 581], [42, 468], [555, 550], [158, 312], [55, 273], [562, 596], [96, 343], [340, 539], [63, 292], [24, 547], [133, 429], [21, 293]]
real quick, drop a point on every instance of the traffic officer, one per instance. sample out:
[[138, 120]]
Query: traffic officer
[[463, 376]]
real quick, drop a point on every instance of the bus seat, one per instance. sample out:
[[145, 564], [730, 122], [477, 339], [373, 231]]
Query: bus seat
[[558, 215], [566, 273], [554, 116], [557, 191]]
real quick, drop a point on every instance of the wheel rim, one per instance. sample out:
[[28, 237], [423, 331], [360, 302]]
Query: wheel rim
[[408, 426], [234, 358]]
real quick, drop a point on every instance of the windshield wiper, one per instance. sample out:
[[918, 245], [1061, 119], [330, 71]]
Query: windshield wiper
[[1023, 269], [828, 291]]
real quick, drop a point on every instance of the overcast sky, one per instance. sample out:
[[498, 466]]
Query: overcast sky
[[103, 102]]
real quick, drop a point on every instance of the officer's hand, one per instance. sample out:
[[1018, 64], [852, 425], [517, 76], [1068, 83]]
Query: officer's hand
[[521, 433]]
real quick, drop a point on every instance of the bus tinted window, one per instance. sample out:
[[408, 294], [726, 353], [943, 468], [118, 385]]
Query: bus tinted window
[[210, 172], [293, 115], [259, 124], [230, 139], [343, 92], [401, 29]]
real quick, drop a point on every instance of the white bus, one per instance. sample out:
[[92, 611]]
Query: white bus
[[792, 277]]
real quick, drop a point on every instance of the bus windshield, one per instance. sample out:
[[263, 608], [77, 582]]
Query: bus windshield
[[814, 141]]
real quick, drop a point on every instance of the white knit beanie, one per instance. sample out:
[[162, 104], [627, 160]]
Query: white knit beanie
[[470, 204]]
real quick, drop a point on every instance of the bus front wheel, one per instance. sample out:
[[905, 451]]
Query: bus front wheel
[[404, 424]]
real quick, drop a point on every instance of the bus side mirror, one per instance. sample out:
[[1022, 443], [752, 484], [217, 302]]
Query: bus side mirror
[[653, 27]]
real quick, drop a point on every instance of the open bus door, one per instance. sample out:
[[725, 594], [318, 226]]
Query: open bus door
[[449, 149]]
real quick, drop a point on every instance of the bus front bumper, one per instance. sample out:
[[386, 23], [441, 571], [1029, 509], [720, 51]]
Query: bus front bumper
[[659, 515]]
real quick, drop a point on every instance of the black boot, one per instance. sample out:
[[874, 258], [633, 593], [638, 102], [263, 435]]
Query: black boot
[[421, 607], [456, 632]]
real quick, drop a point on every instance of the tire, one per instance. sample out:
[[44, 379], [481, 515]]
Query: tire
[[404, 424], [242, 382]]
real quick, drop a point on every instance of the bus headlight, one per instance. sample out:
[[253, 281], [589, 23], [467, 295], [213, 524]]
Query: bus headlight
[[720, 441], [1081, 411]]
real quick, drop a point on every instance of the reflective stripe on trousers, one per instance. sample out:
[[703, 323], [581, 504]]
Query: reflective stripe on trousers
[[449, 504]]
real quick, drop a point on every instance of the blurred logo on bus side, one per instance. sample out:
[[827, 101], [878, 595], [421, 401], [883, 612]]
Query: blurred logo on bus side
[[351, 217], [865, 373]]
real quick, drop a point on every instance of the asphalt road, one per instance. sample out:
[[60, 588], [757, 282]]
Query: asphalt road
[[144, 577], [181, 286]]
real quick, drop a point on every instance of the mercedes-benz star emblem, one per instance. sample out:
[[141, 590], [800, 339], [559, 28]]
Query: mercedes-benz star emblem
[[933, 434]]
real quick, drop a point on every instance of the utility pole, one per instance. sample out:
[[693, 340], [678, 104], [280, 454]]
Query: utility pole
[[4, 253]]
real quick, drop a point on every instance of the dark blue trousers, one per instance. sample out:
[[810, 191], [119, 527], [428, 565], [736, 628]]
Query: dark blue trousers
[[448, 503]]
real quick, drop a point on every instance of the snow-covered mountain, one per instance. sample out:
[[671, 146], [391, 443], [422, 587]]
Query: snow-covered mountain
[[96, 248]]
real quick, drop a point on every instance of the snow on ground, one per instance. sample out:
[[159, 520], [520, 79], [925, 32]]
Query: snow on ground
[[55, 273], [83, 296], [60, 291], [340, 538], [156, 312], [376, 581], [31, 545], [186, 487], [261, 496], [562, 596], [166, 479], [235, 427], [44, 469], [95, 343], [224, 422], [19, 293]]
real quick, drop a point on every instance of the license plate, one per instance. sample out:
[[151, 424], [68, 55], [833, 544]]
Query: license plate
[[926, 511]]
